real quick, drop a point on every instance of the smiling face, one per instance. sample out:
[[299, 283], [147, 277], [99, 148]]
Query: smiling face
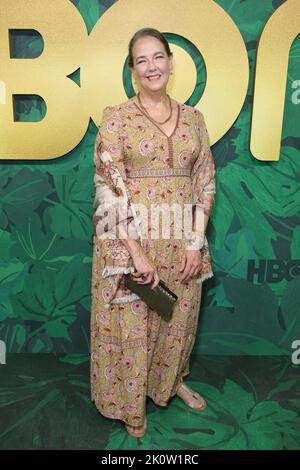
[[152, 66]]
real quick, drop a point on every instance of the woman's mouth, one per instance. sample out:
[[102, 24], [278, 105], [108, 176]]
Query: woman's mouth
[[154, 77]]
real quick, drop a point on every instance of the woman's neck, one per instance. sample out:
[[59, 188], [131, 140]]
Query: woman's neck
[[155, 99]]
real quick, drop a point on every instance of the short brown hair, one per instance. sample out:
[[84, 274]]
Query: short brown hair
[[147, 32]]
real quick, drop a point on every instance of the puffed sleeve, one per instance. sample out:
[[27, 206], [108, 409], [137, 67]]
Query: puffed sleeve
[[203, 183], [114, 217]]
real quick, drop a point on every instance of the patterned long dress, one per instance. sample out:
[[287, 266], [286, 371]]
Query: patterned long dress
[[134, 353]]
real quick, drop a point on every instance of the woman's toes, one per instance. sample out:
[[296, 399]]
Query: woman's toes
[[137, 430], [191, 398], [200, 401]]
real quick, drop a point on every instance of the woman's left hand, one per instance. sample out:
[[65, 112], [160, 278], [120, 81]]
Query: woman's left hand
[[190, 265]]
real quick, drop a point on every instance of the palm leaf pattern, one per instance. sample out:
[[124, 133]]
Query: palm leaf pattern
[[46, 223]]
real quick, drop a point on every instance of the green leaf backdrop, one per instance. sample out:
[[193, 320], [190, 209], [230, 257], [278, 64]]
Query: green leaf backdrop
[[46, 225]]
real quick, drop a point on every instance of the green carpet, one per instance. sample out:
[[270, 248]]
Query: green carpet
[[253, 403]]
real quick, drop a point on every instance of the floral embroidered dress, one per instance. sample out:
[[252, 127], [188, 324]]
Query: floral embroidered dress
[[134, 353]]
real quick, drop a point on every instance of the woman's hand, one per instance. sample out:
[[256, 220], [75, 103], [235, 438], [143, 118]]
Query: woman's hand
[[190, 265], [146, 271]]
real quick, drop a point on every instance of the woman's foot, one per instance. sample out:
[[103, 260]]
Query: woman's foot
[[137, 431], [191, 398]]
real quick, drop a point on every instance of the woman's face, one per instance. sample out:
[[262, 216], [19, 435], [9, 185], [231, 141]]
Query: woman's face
[[151, 60]]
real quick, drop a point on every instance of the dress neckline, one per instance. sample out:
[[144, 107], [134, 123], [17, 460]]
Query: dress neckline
[[156, 125]]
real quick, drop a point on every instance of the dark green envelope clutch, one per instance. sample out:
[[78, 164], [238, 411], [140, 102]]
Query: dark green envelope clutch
[[161, 298]]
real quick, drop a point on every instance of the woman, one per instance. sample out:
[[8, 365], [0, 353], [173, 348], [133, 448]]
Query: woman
[[150, 151]]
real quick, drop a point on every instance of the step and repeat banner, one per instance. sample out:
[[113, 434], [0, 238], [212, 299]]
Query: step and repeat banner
[[61, 63]]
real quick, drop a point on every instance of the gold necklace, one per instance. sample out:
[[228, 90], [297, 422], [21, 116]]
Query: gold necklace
[[157, 122]]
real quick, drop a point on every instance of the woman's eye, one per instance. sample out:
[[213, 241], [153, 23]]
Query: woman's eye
[[157, 57]]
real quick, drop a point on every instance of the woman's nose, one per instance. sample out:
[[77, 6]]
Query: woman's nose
[[151, 67]]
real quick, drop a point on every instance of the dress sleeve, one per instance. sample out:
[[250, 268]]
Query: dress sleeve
[[114, 217], [203, 184]]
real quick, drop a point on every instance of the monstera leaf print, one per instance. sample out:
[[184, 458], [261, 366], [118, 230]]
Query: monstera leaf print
[[232, 421]]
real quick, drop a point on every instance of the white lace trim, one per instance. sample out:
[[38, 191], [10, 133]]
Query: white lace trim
[[109, 271], [204, 277], [125, 298]]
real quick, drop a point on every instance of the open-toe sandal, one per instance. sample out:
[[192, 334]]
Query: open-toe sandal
[[137, 432]]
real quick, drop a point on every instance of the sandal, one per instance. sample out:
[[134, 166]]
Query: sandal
[[194, 395], [133, 431]]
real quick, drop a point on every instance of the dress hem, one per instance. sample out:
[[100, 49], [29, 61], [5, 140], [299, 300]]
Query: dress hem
[[164, 404]]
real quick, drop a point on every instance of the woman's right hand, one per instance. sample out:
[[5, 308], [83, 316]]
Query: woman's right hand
[[146, 271]]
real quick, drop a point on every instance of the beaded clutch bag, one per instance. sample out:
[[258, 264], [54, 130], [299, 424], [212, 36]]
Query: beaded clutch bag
[[161, 298]]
